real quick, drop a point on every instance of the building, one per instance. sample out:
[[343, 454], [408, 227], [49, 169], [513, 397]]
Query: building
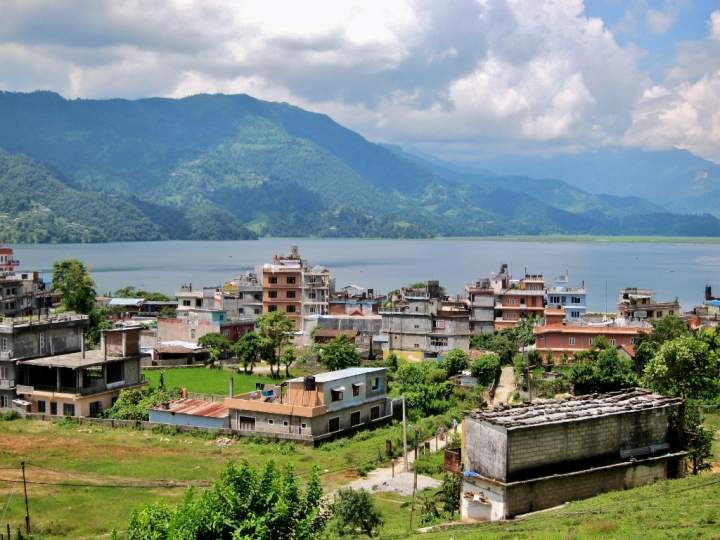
[[193, 413], [521, 299], [189, 298], [292, 286], [555, 338], [243, 296], [481, 303], [8, 262], [191, 324], [33, 337], [354, 300], [640, 304], [527, 458], [312, 409], [83, 383], [423, 319], [365, 327], [22, 292], [572, 299]]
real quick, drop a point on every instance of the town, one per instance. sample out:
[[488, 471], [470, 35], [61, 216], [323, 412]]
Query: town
[[508, 397]]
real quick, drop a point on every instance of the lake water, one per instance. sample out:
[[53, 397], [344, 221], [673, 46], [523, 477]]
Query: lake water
[[672, 269]]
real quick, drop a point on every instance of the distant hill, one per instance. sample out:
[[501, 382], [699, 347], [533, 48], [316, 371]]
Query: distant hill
[[227, 167]]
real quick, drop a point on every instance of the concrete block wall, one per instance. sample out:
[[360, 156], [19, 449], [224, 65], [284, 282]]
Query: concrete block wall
[[485, 449]]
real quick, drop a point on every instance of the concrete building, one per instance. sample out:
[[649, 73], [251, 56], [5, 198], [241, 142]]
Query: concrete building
[[481, 303], [523, 459], [243, 296], [22, 293], [25, 338], [422, 319], [521, 299], [365, 328], [312, 409], [8, 262], [292, 286], [191, 324], [192, 412], [555, 338], [572, 299], [83, 383], [641, 304]]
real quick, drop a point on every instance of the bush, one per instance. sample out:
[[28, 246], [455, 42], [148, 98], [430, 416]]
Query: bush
[[7, 416], [135, 404], [485, 369], [455, 361], [354, 511], [430, 463]]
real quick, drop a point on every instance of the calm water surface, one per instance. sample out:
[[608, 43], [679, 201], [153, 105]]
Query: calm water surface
[[680, 270]]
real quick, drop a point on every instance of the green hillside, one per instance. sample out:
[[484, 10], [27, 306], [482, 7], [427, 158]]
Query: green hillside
[[233, 167]]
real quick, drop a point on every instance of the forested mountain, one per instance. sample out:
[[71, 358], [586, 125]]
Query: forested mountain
[[222, 167]]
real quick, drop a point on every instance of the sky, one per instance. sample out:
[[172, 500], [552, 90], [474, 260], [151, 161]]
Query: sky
[[455, 78]]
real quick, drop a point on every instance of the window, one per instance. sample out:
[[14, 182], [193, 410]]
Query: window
[[612, 341], [333, 425], [290, 309], [272, 294], [440, 325], [257, 311], [42, 342], [192, 333], [571, 341], [374, 413], [356, 390], [3, 401], [633, 340], [271, 421], [575, 314], [576, 300], [272, 280], [226, 332], [241, 310], [303, 425], [246, 423], [417, 326], [4, 372], [285, 422], [4, 344], [355, 418], [336, 395], [68, 409], [272, 308], [186, 303], [95, 409], [376, 384], [41, 406], [439, 341], [53, 408], [291, 294], [291, 280]]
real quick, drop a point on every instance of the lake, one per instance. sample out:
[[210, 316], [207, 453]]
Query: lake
[[672, 269]]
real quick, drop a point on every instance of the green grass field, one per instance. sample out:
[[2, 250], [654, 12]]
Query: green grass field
[[204, 380]]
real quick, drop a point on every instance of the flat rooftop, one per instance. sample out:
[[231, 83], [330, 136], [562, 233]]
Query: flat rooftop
[[196, 407], [330, 376], [575, 409], [73, 360]]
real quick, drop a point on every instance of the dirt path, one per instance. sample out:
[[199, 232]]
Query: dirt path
[[506, 386]]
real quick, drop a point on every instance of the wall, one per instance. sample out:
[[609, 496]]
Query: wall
[[26, 341], [484, 448], [167, 417]]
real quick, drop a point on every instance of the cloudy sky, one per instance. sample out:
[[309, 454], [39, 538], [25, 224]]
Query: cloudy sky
[[454, 78]]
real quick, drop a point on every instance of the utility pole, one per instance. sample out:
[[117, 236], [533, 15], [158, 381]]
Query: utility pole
[[412, 507], [405, 450], [27, 508]]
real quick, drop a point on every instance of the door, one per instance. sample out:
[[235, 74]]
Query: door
[[246, 423]]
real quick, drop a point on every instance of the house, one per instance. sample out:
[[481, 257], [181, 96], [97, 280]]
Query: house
[[555, 338], [243, 296], [301, 291], [354, 300], [640, 304], [481, 303], [22, 293], [33, 337], [521, 299], [176, 353], [572, 299], [83, 383], [312, 409], [423, 319], [527, 458], [364, 327], [192, 412], [190, 324]]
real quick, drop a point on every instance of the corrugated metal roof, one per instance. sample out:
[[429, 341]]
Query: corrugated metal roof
[[330, 376], [196, 407], [126, 301]]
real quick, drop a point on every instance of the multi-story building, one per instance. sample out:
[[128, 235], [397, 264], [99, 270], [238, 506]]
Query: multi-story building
[[33, 337], [21, 292], [556, 338], [524, 459], [481, 303], [243, 296], [293, 287], [8, 263], [311, 409], [522, 299], [189, 298], [572, 299], [82, 383], [422, 319], [191, 324], [634, 303]]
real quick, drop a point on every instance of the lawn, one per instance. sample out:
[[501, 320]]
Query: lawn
[[205, 381]]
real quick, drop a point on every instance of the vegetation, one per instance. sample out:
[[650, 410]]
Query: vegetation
[[485, 368], [248, 350], [426, 388], [135, 403], [205, 381], [355, 511], [216, 344], [274, 330], [455, 361], [242, 503], [131, 292], [601, 369], [339, 353]]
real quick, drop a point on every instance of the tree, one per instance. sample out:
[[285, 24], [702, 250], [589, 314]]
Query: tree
[[77, 288], [426, 388], [450, 492], [455, 361], [131, 292], [665, 329], [287, 358], [275, 330], [242, 503], [248, 350], [97, 321], [135, 403], [339, 353], [485, 368], [355, 510], [216, 345], [601, 369], [502, 344]]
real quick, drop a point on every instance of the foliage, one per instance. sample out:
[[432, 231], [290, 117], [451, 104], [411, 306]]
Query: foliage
[[339, 353], [392, 362], [248, 349], [72, 280], [665, 329], [216, 345], [699, 439], [274, 329], [601, 369], [450, 492], [426, 388], [97, 321], [685, 366], [455, 361], [288, 358], [242, 503], [485, 368], [135, 403], [131, 292], [355, 510], [429, 463]]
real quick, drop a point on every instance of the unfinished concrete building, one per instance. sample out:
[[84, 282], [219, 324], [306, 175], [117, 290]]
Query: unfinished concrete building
[[641, 304], [481, 303], [522, 459]]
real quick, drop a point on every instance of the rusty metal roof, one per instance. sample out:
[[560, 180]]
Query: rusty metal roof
[[196, 407]]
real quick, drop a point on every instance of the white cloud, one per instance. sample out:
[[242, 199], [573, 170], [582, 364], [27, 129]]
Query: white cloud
[[715, 24], [660, 21]]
